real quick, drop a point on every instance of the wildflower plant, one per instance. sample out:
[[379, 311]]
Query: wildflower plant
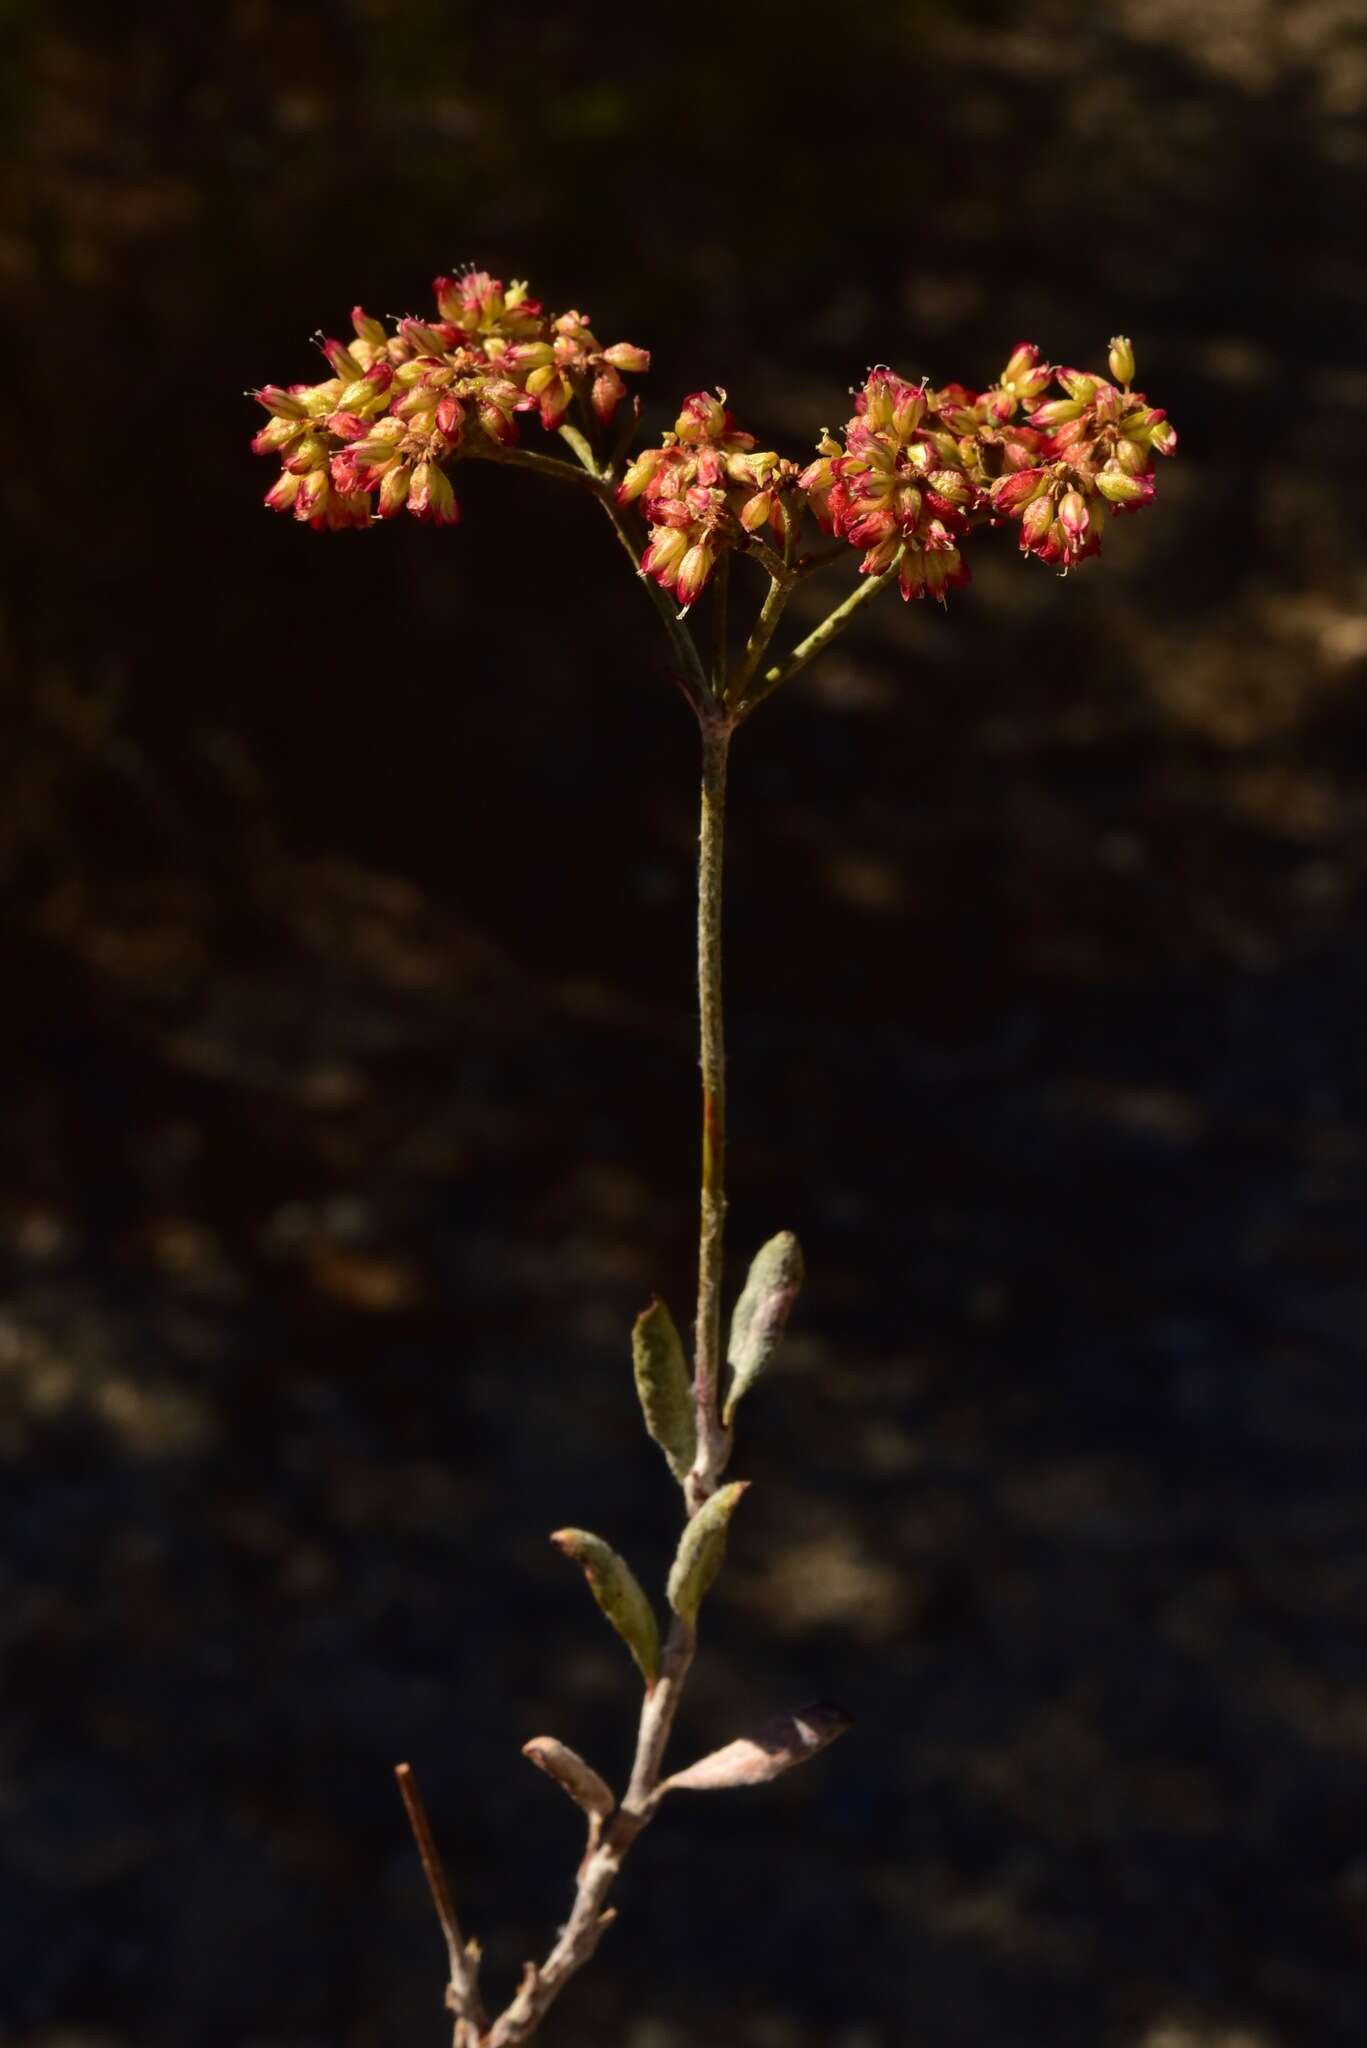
[[908, 481]]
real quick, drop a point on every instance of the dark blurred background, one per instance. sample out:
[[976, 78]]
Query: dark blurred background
[[350, 1077]]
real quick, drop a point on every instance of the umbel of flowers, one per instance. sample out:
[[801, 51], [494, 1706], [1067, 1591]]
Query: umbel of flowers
[[907, 480], [906, 484], [379, 435]]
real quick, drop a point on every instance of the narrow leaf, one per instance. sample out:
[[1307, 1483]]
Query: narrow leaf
[[617, 1590], [569, 1770], [663, 1385], [782, 1743], [701, 1550], [761, 1314]]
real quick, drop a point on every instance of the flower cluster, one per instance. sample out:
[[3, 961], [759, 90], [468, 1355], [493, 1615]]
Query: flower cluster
[[900, 483], [906, 480], [1097, 451], [378, 434], [702, 491], [918, 468]]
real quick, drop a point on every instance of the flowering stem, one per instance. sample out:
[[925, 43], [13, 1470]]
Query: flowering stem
[[713, 1440], [770, 613], [821, 636], [590, 1915], [691, 675], [525, 458]]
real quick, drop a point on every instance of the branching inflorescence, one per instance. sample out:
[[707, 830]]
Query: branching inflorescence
[[907, 481]]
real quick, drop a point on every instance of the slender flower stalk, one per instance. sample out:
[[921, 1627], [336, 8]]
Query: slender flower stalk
[[912, 475], [712, 1439]]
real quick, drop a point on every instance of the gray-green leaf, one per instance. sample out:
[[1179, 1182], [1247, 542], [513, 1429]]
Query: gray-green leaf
[[761, 1314], [617, 1590], [701, 1550], [571, 1773], [662, 1382], [782, 1743]]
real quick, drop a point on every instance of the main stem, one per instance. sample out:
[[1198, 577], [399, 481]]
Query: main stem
[[591, 1914], [712, 1439]]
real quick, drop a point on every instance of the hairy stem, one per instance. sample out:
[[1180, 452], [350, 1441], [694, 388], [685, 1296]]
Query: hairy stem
[[690, 675], [721, 702], [712, 1438], [590, 1915], [481, 449], [821, 636], [770, 613]]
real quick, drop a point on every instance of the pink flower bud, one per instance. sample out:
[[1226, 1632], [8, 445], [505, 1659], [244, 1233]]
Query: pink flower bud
[[450, 414], [1079, 384], [1162, 434], [662, 558], [757, 511], [1123, 490], [1036, 521], [343, 362], [282, 404], [395, 485], [496, 421], [701, 417], [907, 504], [880, 558], [310, 500], [1011, 494], [1025, 376], [1121, 359], [450, 301], [283, 492], [943, 573], [425, 340], [1073, 434], [951, 486], [346, 508], [1073, 515], [694, 571], [1057, 413], [347, 426], [309, 452], [911, 575], [639, 474], [431, 496], [624, 355], [608, 393], [908, 410], [277, 434], [367, 328], [870, 524]]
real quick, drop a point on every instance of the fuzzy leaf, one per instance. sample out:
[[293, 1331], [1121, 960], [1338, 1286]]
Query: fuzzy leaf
[[663, 1384], [569, 1770], [786, 1740], [617, 1590], [761, 1314], [701, 1550]]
